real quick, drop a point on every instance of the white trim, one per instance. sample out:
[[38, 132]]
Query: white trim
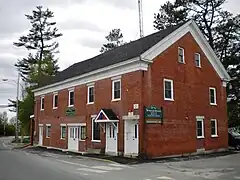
[[183, 55], [93, 115], [88, 87], [32, 116], [41, 103], [191, 27], [91, 84], [69, 91], [116, 78], [216, 130], [48, 124], [54, 96], [131, 117], [224, 83], [199, 55], [172, 93], [46, 130], [128, 66], [63, 124], [80, 131], [97, 141], [100, 113], [76, 124], [215, 96], [202, 121], [40, 125], [98, 121], [115, 81]]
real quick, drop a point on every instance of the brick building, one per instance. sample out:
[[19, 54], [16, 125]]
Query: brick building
[[164, 94]]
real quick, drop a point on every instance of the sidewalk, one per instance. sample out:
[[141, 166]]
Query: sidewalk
[[125, 160]]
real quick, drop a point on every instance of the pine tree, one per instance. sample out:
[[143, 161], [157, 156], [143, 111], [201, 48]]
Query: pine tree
[[39, 40], [114, 39], [221, 29]]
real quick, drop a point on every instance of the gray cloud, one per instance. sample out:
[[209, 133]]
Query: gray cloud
[[128, 4], [91, 42], [79, 25]]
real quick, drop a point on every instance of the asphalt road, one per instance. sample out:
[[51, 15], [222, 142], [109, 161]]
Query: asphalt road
[[39, 165]]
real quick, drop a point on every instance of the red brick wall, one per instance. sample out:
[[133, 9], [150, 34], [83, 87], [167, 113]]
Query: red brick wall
[[177, 134], [131, 89]]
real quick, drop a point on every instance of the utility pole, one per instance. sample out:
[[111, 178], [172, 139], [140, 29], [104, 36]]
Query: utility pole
[[17, 105], [140, 11]]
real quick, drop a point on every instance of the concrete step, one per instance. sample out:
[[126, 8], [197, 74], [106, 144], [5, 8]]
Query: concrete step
[[94, 151]]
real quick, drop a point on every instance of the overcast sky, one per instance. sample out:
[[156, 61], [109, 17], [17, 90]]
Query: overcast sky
[[84, 24]]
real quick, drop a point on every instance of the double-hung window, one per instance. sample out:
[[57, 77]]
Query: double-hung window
[[116, 89], [71, 98], [214, 128], [55, 101], [90, 94], [42, 103], [181, 57], [82, 133], [48, 130], [95, 131], [197, 60], [168, 89], [63, 131], [200, 127], [212, 96]]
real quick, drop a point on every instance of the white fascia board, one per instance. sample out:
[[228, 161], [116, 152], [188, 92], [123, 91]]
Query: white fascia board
[[191, 27], [131, 65]]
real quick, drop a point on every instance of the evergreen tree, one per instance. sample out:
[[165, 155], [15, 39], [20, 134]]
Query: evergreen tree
[[221, 29], [39, 40], [114, 39]]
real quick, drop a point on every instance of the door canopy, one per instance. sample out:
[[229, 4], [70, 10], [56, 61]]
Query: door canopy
[[106, 115]]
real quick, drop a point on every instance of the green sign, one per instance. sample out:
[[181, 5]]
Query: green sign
[[153, 114], [70, 111]]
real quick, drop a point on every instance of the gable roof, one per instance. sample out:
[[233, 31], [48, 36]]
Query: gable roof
[[117, 55], [106, 115]]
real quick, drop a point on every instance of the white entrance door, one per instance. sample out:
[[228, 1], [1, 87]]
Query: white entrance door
[[73, 138], [131, 140], [40, 135], [111, 138]]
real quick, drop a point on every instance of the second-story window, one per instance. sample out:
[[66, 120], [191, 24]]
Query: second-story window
[[71, 98], [212, 96], [116, 89], [90, 95], [181, 55], [55, 101], [168, 89], [197, 60], [42, 103]]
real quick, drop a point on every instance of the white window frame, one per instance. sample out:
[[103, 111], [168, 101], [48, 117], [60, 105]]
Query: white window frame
[[216, 130], [114, 81], [54, 96], [88, 93], [41, 103], [61, 126], [215, 96], [69, 91], [201, 119], [92, 132], [47, 126], [80, 132], [172, 93], [199, 56], [183, 55]]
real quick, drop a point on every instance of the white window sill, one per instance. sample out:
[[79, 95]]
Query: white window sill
[[97, 141], [55, 107], [70, 105], [181, 62], [62, 138], [166, 99], [89, 103], [41, 109], [200, 137], [213, 104], [114, 100], [198, 67], [81, 140], [47, 137], [214, 136]]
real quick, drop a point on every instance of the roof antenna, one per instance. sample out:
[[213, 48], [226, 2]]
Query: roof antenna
[[140, 18]]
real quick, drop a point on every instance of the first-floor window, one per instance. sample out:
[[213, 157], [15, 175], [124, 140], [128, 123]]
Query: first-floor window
[[83, 132], [95, 131], [63, 132], [213, 127], [48, 131], [200, 128]]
